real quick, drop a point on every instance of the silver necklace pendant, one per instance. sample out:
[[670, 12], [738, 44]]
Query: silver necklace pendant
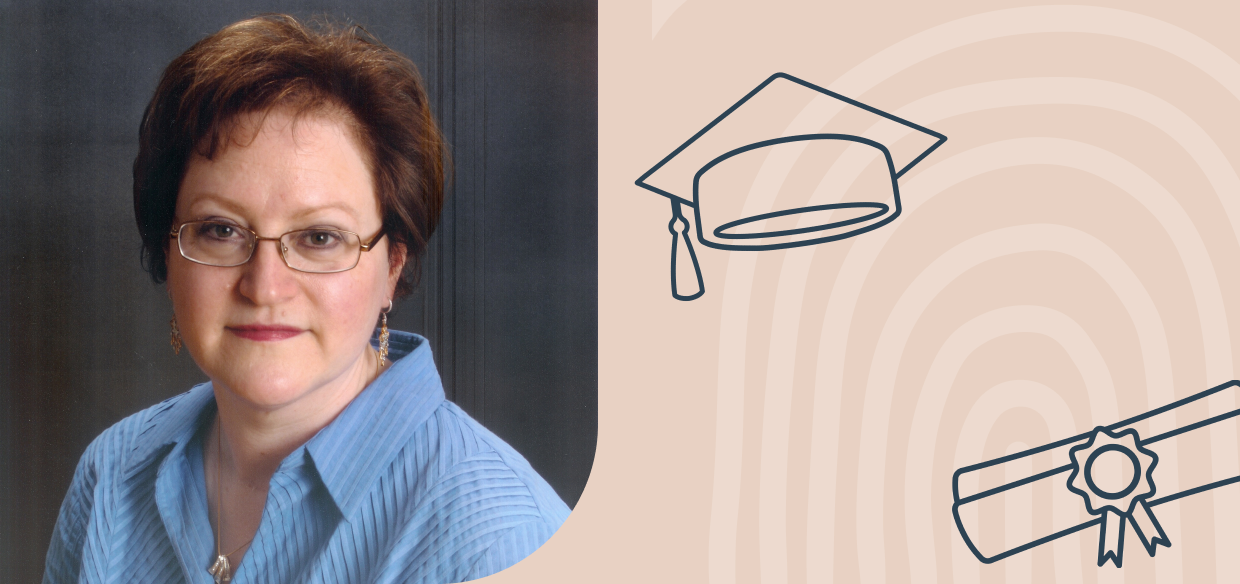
[[221, 570]]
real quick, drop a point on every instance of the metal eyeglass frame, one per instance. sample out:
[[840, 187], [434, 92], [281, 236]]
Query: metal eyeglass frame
[[176, 234]]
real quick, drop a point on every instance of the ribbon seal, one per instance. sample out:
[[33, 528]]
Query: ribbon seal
[[1115, 506]]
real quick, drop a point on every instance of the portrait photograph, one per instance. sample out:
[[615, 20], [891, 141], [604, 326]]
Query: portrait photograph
[[294, 291]]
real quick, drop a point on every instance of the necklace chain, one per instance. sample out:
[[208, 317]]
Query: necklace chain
[[221, 569]]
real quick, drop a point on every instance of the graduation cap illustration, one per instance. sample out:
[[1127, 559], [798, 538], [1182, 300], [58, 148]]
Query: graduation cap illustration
[[791, 164]]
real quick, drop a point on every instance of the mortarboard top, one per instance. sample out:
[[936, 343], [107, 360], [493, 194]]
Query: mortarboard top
[[839, 158]]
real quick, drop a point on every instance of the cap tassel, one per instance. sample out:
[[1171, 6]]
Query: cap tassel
[[683, 285]]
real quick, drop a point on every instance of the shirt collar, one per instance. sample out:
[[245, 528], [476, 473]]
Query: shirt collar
[[359, 445], [171, 422], [350, 452]]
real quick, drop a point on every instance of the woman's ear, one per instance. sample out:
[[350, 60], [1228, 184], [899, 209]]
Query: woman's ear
[[397, 254]]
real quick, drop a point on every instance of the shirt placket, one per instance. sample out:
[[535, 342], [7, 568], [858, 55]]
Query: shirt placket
[[273, 555]]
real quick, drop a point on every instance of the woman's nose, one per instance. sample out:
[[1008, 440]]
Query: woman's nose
[[266, 279]]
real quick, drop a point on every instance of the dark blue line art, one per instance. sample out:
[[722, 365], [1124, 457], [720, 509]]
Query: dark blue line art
[[683, 185], [680, 238], [1132, 503], [895, 188], [1128, 504]]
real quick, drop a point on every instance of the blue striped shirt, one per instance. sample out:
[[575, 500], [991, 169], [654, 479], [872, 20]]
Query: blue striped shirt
[[402, 486]]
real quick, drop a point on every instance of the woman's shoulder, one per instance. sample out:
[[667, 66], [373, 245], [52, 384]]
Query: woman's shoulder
[[139, 435], [479, 503], [101, 479], [465, 451]]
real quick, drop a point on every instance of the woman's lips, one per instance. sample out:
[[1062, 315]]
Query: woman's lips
[[256, 332]]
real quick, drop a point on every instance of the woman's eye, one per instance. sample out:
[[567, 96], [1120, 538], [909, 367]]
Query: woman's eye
[[319, 239], [218, 231]]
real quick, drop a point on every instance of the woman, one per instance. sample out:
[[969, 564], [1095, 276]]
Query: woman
[[286, 182]]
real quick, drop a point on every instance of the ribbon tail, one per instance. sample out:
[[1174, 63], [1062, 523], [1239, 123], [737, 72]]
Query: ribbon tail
[[1111, 539], [1148, 529]]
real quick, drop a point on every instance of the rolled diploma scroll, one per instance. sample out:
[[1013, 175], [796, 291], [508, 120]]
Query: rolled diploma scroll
[[1167, 431]]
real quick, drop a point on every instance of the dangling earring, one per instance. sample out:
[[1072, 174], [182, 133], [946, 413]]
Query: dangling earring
[[383, 334], [176, 335]]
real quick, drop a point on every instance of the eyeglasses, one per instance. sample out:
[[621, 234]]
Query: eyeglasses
[[315, 250]]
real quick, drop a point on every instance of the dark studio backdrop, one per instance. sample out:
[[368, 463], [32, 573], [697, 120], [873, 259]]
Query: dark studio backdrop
[[508, 296]]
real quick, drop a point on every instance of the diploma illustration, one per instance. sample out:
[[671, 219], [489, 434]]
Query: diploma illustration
[[1109, 472], [790, 164]]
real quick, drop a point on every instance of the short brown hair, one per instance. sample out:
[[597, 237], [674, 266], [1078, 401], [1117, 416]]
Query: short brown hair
[[275, 61]]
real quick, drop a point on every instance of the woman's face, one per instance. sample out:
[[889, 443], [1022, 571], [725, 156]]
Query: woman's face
[[269, 334]]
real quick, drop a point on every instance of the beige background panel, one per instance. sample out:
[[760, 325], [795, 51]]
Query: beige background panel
[[1068, 258]]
